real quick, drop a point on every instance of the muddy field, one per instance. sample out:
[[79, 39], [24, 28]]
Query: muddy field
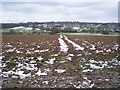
[[60, 61]]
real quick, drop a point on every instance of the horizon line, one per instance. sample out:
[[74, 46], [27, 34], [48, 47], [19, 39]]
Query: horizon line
[[62, 21]]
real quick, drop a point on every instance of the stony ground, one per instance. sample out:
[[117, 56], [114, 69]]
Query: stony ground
[[60, 61]]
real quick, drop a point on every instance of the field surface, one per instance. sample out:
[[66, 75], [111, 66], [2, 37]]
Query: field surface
[[60, 61]]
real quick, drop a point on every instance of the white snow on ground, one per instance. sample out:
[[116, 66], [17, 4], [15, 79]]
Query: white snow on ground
[[10, 50], [92, 61], [47, 69], [77, 47], [98, 51], [32, 61], [60, 70], [17, 51], [39, 73], [103, 64], [54, 55], [86, 83], [9, 46], [3, 64], [116, 47], [62, 61], [98, 64], [70, 54], [107, 79], [20, 69], [29, 52], [28, 28], [63, 45], [39, 58], [109, 50], [51, 61], [87, 79], [30, 66], [79, 55], [93, 47], [69, 58], [91, 85], [61, 36], [79, 86], [27, 66], [20, 27], [44, 50], [19, 73], [45, 82], [14, 76], [38, 46], [37, 51], [87, 70], [115, 61], [31, 57], [19, 65], [94, 64], [6, 74]]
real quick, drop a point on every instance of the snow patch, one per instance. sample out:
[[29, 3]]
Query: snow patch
[[39, 73], [37, 51], [45, 82], [62, 61], [69, 58], [71, 55], [77, 47], [44, 50], [32, 61], [93, 47], [21, 75], [54, 55], [60, 70], [39, 58], [10, 50], [98, 51], [63, 45], [51, 61], [109, 50], [87, 70], [20, 27]]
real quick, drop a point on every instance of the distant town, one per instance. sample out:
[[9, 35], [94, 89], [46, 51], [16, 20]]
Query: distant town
[[57, 27]]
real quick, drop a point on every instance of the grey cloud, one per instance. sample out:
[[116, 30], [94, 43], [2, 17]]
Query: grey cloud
[[29, 7], [58, 11]]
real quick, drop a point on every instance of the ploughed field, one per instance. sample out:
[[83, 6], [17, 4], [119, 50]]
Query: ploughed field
[[60, 61]]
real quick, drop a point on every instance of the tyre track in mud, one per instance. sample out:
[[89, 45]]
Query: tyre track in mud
[[71, 46], [71, 58]]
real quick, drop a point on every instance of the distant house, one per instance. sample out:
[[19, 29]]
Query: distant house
[[77, 29]]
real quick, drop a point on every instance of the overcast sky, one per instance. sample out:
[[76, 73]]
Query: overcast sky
[[59, 10]]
